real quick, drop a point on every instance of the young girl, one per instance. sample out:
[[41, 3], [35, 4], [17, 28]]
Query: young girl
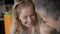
[[25, 18]]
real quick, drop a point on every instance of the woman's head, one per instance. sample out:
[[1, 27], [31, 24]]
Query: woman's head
[[24, 13], [49, 8], [49, 11]]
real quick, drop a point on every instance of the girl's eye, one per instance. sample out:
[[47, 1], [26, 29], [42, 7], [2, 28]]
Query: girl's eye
[[25, 17], [32, 15]]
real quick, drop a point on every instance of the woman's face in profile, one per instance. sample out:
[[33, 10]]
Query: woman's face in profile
[[48, 20], [27, 16]]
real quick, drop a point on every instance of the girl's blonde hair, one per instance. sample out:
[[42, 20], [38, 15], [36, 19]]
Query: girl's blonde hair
[[17, 23]]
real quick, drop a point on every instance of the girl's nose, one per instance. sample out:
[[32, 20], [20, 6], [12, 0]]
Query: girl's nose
[[29, 19]]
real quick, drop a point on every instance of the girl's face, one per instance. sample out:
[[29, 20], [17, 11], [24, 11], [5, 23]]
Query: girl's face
[[27, 16]]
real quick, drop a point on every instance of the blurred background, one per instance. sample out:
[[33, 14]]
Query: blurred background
[[5, 15]]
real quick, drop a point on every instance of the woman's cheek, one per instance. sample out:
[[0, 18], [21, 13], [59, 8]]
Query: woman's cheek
[[34, 19], [24, 21]]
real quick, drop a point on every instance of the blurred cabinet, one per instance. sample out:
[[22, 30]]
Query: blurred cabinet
[[2, 30]]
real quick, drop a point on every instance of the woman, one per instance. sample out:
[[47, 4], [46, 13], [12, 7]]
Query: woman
[[49, 12], [25, 18]]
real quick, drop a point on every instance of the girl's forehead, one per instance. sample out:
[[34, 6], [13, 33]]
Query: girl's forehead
[[24, 6], [26, 10]]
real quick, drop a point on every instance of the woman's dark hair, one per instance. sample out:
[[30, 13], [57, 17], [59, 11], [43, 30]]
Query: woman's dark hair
[[52, 7]]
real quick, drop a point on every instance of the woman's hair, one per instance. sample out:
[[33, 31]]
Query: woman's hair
[[52, 7], [24, 3]]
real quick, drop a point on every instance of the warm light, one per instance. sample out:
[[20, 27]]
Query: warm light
[[7, 22]]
